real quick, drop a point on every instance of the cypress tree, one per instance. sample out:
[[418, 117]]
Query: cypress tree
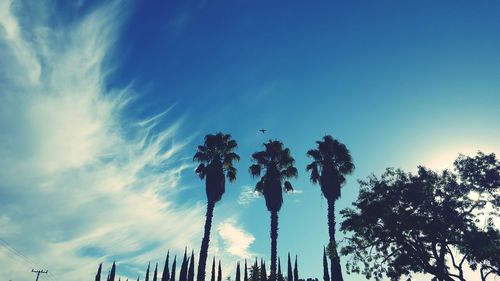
[[155, 278], [296, 271], [255, 272], [98, 274], [212, 277], [147, 272], [245, 278], [191, 268], [219, 274], [113, 272], [263, 275], [289, 276], [174, 265], [280, 276], [109, 272], [137, 277], [166, 272], [326, 275], [183, 272], [237, 278]]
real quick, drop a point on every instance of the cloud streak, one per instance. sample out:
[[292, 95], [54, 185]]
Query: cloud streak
[[79, 183]]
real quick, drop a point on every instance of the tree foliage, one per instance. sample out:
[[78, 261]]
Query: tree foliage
[[428, 222]]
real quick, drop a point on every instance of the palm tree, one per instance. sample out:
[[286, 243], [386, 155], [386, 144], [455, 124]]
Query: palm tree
[[277, 165], [216, 158], [332, 162]]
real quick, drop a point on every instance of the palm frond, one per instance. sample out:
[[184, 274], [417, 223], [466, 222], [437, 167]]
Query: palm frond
[[201, 171], [255, 170], [315, 154], [288, 187], [231, 173]]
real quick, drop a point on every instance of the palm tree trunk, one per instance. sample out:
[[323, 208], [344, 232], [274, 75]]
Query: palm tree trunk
[[274, 244], [336, 269], [204, 243]]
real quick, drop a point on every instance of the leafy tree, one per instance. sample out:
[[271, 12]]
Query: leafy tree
[[277, 165], [147, 272], [174, 265], [332, 162], [166, 272], [245, 278], [219, 273], [212, 277], [255, 272], [98, 274], [237, 277], [190, 274], [428, 222], [216, 158], [289, 276]]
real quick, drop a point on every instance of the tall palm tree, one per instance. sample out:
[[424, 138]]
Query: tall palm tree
[[332, 162], [216, 158], [277, 165]]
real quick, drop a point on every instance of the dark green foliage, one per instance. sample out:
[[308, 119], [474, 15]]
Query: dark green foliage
[[255, 272], [277, 165], [98, 274], [155, 274], [166, 272], [245, 278], [212, 277], [147, 272], [405, 223], [263, 273], [190, 275], [289, 273], [296, 270], [216, 157], [184, 267], [280, 275], [113, 272], [237, 277], [219, 273], [174, 265]]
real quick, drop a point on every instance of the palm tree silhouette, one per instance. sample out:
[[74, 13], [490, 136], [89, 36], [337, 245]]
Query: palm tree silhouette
[[216, 158], [332, 161], [277, 165]]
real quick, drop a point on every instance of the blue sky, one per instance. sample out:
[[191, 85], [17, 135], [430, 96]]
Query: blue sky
[[103, 104]]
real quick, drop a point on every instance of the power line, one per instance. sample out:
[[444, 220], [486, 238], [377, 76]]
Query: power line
[[26, 259]]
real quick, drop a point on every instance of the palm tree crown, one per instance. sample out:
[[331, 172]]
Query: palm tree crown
[[216, 158], [277, 164], [332, 161]]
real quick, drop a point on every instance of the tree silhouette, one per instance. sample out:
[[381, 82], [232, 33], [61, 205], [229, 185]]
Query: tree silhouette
[[190, 275], [212, 277], [255, 272], [166, 274], [174, 265], [147, 272], [289, 276], [245, 278], [331, 163], [280, 275], [98, 274], [296, 270], [184, 267], [426, 222], [237, 277], [216, 158], [278, 166], [155, 274], [113, 272], [263, 273], [219, 273]]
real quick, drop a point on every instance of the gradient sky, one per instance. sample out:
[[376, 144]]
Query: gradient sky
[[103, 105]]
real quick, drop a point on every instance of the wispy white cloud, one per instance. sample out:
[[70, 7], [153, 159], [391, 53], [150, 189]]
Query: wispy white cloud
[[73, 174], [236, 240], [248, 195]]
